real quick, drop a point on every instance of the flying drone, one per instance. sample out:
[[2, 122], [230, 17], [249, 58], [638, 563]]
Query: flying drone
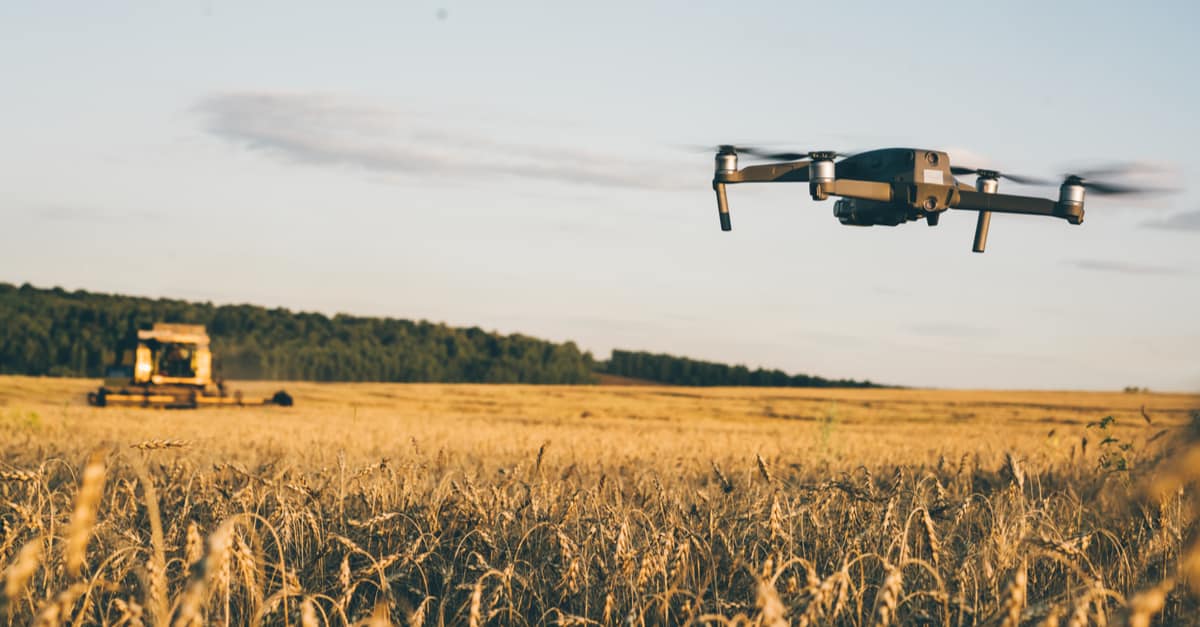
[[896, 185]]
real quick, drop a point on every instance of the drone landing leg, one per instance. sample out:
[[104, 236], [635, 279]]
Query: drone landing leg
[[722, 206], [981, 231]]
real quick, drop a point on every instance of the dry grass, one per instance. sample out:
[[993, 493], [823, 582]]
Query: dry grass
[[434, 504]]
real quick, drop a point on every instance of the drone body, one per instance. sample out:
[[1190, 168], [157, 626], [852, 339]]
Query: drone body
[[896, 185], [901, 166]]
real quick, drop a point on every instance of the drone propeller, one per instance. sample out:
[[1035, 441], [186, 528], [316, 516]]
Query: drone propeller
[[1086, 178], [995, 174], [781, 156]]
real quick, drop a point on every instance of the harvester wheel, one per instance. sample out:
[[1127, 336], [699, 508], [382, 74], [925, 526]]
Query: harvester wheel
[[98, 398]]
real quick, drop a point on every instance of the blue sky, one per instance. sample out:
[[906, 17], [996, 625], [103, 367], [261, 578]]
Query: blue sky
[[518, 166]]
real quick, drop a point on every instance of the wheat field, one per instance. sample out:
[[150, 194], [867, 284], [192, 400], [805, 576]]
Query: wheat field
[[471, 504]]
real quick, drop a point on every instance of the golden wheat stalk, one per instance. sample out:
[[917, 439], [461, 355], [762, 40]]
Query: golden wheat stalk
[[1081, 612], [22, 569], [83, 518], [762, 468], [373, 521], [887, 600], [131, 613], [154, 445], [380, 616], [156, 569], [1145, 604], [308, 613], [771, 611], [55, 612], [931, 537], [775, 519], [1015, 471], [1052, 618], [212, 573], [475, 619], [156, 589], [194, 549], [1014, 598], [1189, 565], [537, 466], [18, 476], [726, 485], [417, 617]]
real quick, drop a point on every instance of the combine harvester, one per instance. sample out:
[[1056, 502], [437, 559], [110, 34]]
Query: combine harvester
[[170, 366]]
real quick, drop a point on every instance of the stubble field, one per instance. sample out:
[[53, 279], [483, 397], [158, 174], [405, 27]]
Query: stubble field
[[467, 504]]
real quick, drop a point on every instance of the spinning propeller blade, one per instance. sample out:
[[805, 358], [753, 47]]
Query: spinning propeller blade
[[764, 153], [1023, 180], [1087, 178]]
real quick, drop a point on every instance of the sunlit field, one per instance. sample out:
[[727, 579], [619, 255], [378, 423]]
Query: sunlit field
[[474, 504]]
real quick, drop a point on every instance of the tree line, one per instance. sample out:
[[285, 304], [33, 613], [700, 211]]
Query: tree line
[[683, 371], [57, 332], [61, 333]]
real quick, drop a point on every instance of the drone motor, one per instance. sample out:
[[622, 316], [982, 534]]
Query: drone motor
[[821, 170], [1070, 196], [987, 182]]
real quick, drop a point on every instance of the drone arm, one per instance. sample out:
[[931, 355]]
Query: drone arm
[[851, 188], [798, 172], [1006, 203], [794, 172]]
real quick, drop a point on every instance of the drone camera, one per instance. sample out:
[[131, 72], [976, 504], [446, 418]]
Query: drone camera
[[843, 210]]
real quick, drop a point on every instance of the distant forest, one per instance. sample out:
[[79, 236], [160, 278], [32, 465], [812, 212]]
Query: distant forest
[[684, 371], [63, 333]]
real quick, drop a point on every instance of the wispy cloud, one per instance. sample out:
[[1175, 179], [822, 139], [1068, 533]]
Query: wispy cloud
[[1123, 267], [1186, 221], [67, 214], [320, 129], [948, 329], [76, 214]]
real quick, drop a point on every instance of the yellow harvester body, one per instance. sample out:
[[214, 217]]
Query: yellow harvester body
[[170, 365]]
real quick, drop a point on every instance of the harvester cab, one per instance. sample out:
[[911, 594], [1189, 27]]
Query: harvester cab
[[169, 365]]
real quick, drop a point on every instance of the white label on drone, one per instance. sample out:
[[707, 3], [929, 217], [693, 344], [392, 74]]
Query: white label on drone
[[934, 176]]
